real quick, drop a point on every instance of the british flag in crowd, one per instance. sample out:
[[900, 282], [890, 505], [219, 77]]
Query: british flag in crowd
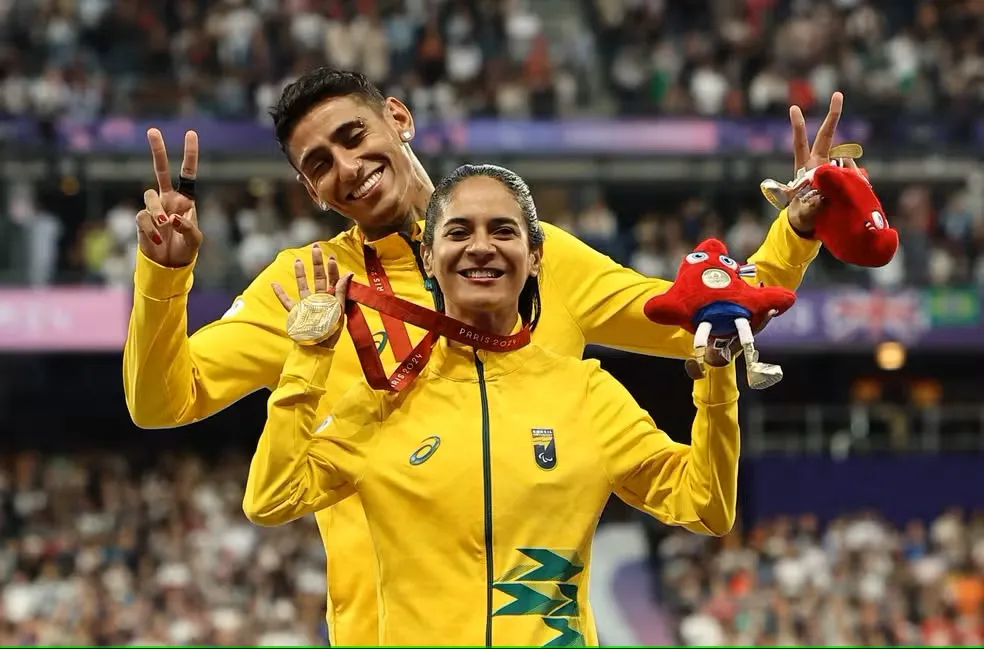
[[876, 316]]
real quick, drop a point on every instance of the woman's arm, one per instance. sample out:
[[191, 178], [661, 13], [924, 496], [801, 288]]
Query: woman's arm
[[696, 485]]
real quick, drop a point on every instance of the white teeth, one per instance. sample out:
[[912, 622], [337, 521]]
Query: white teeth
[[479, 273], [366, 186]]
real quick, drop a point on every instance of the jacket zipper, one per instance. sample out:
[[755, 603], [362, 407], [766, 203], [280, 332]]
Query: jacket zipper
[[487, 484]]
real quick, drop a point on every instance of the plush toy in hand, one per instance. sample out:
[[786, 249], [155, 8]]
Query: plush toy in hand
[[851, 222], [711, 300]]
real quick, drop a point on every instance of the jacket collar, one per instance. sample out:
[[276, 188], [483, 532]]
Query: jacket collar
[[457, 362]]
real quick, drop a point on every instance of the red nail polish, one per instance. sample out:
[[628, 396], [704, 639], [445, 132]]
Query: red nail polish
[[157, 239], [162, 219]]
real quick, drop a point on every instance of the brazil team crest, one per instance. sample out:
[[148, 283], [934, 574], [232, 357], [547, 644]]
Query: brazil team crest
[[544, 448]]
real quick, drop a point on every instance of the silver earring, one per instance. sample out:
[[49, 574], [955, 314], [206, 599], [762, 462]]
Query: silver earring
[[323, 205], [406, 136]]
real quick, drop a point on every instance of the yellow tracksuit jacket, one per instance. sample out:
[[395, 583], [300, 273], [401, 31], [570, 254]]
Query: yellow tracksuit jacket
[[483, 482], [171, 379]]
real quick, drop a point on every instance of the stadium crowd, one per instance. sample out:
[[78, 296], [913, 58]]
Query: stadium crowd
[[856, 581], [495, 57], [112, 549], [231, 58]]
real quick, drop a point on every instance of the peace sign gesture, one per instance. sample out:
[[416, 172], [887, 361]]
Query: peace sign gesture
[[805, 156], [167, 227]]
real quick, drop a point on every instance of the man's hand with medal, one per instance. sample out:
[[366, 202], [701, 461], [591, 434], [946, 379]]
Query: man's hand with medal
[[316, 317]]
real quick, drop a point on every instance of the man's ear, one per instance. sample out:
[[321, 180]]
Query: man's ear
[[536, 261], [427, 256], [398, 116]]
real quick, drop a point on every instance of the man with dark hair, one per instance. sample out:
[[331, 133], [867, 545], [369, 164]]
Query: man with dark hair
[[351, 149]]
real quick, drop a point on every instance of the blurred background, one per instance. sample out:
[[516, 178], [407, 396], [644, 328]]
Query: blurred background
[[643, 126]]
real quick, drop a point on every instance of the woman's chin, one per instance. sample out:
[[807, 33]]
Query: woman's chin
[[476, 306]]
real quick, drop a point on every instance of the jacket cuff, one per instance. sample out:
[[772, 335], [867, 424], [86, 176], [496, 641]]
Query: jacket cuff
[[157, 282], [718, 387]]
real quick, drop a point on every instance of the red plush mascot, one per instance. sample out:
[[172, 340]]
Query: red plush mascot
[[851, 222], [711, 300]]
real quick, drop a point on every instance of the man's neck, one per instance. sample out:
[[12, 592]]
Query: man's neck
[[402, 226]]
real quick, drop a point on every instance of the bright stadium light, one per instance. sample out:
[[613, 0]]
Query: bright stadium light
[[890, 356]]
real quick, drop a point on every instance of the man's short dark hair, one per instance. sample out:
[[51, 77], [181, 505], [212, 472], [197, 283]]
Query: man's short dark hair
[[313, 87]]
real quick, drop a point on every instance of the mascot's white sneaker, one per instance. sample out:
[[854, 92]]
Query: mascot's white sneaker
[[762, 375]]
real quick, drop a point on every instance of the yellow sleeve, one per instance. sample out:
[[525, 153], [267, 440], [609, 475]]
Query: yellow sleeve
[[171, 379], [301, 465], [693, 486], [607, 299]]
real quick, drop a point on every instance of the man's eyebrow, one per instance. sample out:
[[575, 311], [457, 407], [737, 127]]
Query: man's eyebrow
[[341, 132]]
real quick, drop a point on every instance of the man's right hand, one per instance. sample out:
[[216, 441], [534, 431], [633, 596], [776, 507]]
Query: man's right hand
[[167, 227]]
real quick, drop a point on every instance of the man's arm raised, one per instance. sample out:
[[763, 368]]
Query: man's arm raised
[[171, 379], [606, 299]]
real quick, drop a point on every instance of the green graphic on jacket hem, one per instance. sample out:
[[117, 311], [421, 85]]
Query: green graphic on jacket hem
[[568, 637], [547, 592]]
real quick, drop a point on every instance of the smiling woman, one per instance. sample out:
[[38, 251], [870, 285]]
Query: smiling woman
[[482, 482], [485, 264]]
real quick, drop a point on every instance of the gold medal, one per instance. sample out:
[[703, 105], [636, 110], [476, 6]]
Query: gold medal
[[314, 319]]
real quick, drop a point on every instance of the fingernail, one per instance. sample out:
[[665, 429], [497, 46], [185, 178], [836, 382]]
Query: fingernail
[[156, 238], [162, 219]]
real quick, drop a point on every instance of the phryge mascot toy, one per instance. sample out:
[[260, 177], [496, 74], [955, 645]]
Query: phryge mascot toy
[[711, 299], [850, 223]]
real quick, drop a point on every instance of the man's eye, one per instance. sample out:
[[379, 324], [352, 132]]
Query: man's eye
[[356, 137], [457, 232]]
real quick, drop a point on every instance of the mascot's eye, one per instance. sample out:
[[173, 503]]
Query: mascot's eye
[[728, 261], [696, 257]]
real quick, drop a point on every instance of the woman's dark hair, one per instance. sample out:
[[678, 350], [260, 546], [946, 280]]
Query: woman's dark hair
[[529, 298]]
